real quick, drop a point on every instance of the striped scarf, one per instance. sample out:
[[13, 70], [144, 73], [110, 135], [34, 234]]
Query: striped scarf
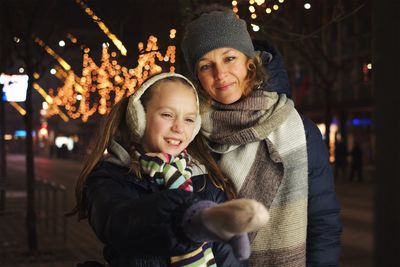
[[175, 173], [170, 172], [261, 146]]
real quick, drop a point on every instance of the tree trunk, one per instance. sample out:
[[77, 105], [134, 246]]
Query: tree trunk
[[327, 116], [3, 162], [325, 40], [30, 170]]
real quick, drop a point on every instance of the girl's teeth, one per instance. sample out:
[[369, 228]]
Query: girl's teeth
[[173, 142]]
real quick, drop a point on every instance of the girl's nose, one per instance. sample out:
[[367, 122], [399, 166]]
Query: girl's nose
[[177, 126]]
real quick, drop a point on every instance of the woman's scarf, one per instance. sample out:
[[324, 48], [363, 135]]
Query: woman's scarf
[[260, 145], [248, 120]]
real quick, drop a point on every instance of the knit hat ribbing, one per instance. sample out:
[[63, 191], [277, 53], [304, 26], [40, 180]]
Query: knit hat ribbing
[[213, 30]]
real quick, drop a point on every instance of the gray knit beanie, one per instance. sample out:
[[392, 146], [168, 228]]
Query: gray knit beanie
[[215, 30]]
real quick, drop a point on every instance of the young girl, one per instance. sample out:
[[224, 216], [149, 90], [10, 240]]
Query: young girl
[[148, 138]]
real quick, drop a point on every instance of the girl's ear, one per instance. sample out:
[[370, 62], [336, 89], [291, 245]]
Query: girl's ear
[[197, 127], [135, 117]]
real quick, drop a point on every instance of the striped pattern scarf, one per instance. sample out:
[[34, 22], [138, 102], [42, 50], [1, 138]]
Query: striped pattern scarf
[[170, 172], [175, 173], [261, 146]]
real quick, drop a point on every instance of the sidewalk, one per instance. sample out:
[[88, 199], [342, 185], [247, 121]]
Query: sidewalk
[[80, 244], [356, 201]]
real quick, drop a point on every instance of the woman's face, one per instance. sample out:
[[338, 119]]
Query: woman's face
[[222, 73], [170, 118]]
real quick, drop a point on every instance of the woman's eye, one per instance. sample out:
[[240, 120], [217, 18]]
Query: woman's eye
[[230, 58], [205, 67]]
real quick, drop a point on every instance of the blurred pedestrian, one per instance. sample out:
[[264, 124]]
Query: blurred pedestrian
[[63, 151], [356, 163], [340, 160]]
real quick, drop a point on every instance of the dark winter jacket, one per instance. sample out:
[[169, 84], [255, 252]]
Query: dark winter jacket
[[138, 223], [324, 225]]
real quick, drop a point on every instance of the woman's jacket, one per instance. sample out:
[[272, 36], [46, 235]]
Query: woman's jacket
[[139, 224], [324, 225]]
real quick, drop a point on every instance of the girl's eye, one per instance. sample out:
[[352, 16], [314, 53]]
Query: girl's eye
[[190, 120], [166, 115]]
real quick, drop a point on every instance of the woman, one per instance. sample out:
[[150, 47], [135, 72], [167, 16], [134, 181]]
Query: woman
[[270, 152]]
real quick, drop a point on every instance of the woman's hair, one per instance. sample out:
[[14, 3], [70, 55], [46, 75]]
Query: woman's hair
[[114, 127], [256, 74]]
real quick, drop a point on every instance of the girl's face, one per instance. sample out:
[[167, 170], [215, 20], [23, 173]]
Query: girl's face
[[170, 118], [222, 73]]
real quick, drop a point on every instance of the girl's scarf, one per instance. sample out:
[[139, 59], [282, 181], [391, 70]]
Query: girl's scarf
[[169, 172], [260, 145]]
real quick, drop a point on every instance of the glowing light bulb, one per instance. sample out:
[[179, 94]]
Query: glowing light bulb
[[255, 27]]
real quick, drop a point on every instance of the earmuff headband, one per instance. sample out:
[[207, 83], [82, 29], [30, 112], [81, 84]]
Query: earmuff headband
[[135, 114]]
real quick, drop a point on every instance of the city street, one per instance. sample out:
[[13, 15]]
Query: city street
[[81, 244], [69, 67]]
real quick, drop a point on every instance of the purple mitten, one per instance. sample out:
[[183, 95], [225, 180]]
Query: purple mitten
[[240, 244], [193, 225], [227, 222]]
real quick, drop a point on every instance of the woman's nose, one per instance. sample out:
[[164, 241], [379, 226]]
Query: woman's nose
[[219, 71]]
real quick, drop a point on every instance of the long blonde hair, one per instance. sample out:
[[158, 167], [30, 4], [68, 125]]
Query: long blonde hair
[[115, 127]]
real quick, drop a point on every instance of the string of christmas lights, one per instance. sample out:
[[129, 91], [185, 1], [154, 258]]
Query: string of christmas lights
[[258, 8], [103, 27], [102, 86]]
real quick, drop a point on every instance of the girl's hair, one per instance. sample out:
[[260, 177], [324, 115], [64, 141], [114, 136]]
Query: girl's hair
[[115, 127]]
